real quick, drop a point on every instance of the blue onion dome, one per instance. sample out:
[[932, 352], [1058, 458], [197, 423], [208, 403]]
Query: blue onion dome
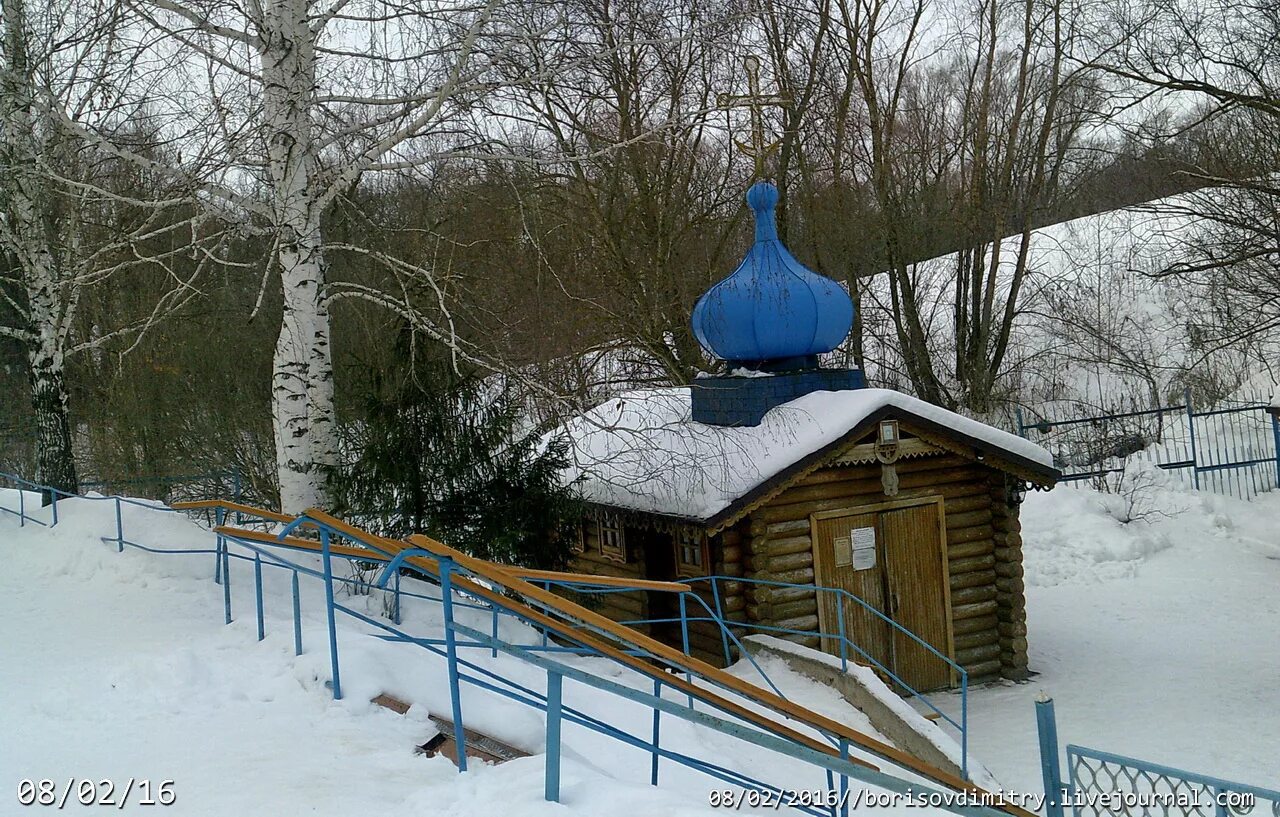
[[772, 309]]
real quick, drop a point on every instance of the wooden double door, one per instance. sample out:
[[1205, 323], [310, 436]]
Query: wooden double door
[[893, 557]]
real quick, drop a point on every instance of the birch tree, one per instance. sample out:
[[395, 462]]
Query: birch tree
[[304, 99], [70, 224]]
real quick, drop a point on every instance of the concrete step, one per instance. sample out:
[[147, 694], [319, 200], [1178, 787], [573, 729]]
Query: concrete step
[[892, 717]]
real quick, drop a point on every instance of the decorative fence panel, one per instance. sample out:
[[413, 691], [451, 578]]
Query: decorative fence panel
[[1231, 449], [1103, 784]]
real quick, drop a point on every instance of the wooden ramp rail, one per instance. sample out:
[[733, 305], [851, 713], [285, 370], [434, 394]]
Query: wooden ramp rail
[[233, 507], [560, 576], [572, 629], [580, 625]]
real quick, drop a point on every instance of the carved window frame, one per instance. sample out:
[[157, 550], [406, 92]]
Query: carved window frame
[[687, 542], [612, 538]]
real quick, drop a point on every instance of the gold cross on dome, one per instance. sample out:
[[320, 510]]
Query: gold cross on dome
[[759, 149]]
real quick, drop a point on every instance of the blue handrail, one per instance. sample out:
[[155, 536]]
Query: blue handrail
[[464, 670]]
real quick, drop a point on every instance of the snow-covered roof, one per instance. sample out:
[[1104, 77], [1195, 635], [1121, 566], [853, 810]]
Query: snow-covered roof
[[642, 450]]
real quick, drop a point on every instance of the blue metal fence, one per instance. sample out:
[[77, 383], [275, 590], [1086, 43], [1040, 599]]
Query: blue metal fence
[[1232, 448], [457, 635], [1103, 784]]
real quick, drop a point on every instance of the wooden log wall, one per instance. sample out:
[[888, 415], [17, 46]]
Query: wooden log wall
[[988, 614], [1011, 601], [705, 638], [617, 606]]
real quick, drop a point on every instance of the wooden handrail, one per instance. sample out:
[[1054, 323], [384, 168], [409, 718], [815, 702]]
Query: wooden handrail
[[694, 665], [600, 581], [199, 504], [502, 576], [295, 543]]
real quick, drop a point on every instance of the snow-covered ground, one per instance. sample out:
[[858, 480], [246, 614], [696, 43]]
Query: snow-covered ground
[[118, 666], [1157, 638]]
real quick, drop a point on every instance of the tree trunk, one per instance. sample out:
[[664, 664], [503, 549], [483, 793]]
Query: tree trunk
[[302, 380], [30, 237], [55, 462], [302, 375]]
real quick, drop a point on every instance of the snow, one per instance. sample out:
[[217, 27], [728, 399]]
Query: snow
[[642, 450], [118, 665], [1156, 638], [871, 682]]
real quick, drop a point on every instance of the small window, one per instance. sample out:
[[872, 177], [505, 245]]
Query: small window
[[691, 552], [613, 542]]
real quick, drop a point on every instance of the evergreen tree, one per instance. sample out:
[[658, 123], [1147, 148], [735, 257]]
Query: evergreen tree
[[451, 455]]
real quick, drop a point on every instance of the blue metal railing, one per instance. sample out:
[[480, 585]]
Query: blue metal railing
[[1231, 449], [458, 635], [1103, 784], [846, 648]]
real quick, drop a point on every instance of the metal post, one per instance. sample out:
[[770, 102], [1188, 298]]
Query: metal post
[[119, 527], [297, 617], [684, 624], [684, 639], [1191, 428], [226, 583], [554, 683], [724, 628], [257, 590], [396, 618], [494, 645], [22, 507], [53, 493], [219, 543], [964, 725], [844, 780], [451, 651], [1022, 429], [545, 586], [1275, 432], [844, 642], [333, 624], [1047, 727], [657, 721]]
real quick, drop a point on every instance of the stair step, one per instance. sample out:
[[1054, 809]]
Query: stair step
[[479, 745]]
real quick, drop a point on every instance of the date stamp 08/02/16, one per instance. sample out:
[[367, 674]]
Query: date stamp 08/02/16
[[84, 791]]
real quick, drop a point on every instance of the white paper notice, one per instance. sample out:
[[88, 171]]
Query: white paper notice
[[864, 548], [843, 551]]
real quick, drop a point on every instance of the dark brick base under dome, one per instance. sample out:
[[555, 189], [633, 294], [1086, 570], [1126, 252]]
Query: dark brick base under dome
[[743, 401]]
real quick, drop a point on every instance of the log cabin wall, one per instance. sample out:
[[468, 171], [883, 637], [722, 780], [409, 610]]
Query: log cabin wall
[[617, 606], [725, 558], [983, 552], [1011, 601]]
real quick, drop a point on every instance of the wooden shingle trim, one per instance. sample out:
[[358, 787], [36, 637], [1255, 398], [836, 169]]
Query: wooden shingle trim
[[927, 430], [864, 453]]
